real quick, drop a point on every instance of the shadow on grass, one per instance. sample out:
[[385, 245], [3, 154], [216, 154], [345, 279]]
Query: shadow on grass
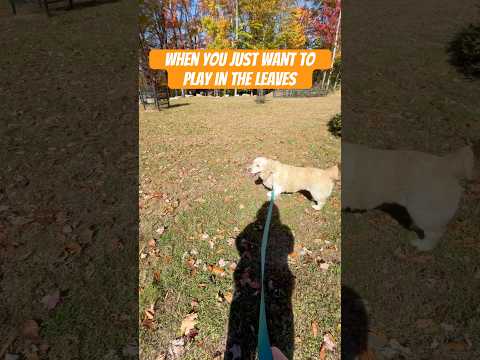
[[54, 11], [91, 3], [177, 105], [279, 285], [354, 325]]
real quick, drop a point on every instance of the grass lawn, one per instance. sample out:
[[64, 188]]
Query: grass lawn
[[196, 198]]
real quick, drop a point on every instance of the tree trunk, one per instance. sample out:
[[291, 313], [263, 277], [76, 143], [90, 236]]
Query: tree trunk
[[334, 47]]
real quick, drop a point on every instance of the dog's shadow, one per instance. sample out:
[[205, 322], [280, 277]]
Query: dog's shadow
[[303, 192], [398, 213], [279, 285]]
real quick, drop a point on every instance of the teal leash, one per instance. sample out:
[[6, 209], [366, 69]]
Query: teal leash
[[264, 349]]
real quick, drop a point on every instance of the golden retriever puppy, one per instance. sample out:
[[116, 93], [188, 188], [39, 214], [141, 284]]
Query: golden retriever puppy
[[281, 178], [428, 186]]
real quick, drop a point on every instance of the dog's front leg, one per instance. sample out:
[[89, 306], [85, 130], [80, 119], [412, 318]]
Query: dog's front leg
[[277, 190]]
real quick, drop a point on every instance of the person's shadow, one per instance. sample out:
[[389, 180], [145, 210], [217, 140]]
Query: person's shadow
[[354, 325], [279, 284]]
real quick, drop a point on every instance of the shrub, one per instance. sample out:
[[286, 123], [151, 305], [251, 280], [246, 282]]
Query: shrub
[[464, 51], [335, 125]]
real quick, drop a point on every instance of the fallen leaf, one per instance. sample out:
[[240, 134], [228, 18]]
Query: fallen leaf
[[176, 349], [232, 266], [156, 194], [73, 247], [324, 266], [148, 323], [323, 353], [457, 346], [228, 297], [32, 356], [160, 230], [149, 312], [152, 243], [191, 263], [329, 342], [188, 323], [161, 356], [192, 334], [50, 301], [216, 270], [294, 255], [157, 276], [194, 304], [30, 330], [314, 328]]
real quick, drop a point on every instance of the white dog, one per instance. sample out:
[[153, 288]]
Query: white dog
[[281, 178], [428, 186]]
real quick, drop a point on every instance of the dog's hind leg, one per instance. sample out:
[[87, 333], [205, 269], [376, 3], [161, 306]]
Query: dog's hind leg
[[320, 197], [277, 190], [319, 205], [431, 239], [431, 210]]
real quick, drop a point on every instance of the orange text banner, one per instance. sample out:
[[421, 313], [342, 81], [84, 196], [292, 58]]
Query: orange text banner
[[241, 69]]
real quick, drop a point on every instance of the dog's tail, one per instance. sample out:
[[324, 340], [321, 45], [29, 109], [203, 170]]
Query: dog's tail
[[333, 172], [462, 163]]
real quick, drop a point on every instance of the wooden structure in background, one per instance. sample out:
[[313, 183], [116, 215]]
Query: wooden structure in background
[[153, 89]]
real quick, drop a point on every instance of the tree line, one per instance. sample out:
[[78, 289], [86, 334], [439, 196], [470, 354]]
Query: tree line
[[240, 24]]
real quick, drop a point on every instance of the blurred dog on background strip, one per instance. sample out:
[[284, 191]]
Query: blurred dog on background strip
[[429, 187], [282, 178]]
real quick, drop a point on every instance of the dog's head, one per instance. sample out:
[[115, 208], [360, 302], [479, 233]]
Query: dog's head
[[262, 167]]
